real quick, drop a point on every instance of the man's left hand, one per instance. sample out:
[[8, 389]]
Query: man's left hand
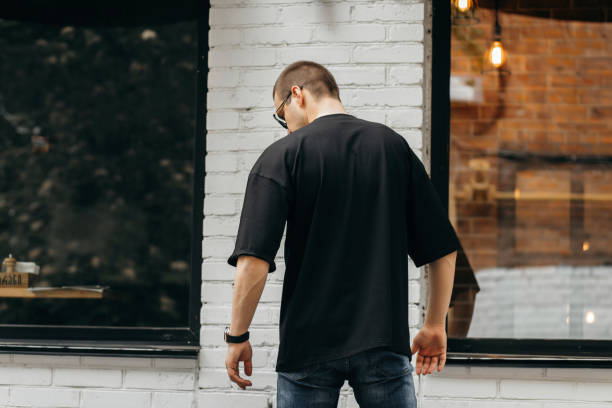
[[237, 352]]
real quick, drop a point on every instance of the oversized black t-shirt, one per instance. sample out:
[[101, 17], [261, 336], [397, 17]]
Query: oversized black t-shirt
[[356, 201]]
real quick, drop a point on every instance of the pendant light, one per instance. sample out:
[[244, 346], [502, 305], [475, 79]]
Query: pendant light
[[495, 58], [463, 12]]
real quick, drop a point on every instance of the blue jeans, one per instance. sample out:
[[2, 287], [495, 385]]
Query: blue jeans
[[379, 378]]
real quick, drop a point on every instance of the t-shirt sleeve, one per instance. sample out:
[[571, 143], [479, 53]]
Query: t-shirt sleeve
[[430, 233], [262, 220]]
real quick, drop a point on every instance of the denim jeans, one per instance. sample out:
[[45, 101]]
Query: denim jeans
[[379, 378]]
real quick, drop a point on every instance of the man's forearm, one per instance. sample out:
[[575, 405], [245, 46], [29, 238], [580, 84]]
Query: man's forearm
[[441, 277], [251, 275]]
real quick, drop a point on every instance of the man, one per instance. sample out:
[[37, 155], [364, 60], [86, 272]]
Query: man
[[357, 201]]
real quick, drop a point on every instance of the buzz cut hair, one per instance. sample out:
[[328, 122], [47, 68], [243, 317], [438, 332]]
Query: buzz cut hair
[[312, 76]]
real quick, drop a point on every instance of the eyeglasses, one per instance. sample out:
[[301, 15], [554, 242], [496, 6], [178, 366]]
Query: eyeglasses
[[278, 118]]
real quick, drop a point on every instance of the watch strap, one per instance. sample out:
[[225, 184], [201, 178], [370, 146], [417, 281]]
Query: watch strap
[[235, 339]]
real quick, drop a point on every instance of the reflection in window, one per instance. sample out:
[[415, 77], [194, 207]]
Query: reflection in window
[[531, 178], [96, 172]]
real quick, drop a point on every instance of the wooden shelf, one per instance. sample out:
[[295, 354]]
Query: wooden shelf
[[51, 293]]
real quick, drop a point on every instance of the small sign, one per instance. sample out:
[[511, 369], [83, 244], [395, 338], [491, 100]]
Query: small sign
[[14, 280]]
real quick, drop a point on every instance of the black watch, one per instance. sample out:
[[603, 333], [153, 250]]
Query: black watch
[[234, 339]]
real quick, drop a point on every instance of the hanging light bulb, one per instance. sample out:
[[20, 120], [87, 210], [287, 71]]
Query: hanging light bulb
[[496, 54], [463, 12], [464, 5], [495, 57]]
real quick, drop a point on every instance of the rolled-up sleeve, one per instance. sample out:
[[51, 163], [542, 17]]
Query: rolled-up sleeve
[[262, 220]]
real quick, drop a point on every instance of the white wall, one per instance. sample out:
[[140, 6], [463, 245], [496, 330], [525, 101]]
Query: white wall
[[105, 382], [376, 51], [544, 301]]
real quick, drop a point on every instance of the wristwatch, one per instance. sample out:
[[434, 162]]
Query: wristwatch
[[234, 339]]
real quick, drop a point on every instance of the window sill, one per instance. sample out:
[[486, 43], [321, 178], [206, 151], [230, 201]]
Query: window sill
[[100, 348], [528, 352], [527, 360]]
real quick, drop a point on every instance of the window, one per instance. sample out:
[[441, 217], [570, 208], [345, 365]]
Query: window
[[526, 171], [101, 174]]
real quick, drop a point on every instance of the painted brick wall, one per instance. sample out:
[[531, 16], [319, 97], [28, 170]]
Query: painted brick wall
[[375, 50], [80, 381], [378, 52]]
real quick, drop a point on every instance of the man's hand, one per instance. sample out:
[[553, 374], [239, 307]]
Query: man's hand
[[237, 352], [430, 343]]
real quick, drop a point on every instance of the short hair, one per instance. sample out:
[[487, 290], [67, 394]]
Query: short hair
[[312, 76]]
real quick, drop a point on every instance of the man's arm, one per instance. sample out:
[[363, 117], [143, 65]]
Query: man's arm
[[251, 275], [441, 278], [430, 342]]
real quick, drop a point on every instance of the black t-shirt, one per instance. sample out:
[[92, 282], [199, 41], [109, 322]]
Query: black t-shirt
[[357, 201]]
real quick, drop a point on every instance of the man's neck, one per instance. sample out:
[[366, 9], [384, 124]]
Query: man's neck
[[327, 106]]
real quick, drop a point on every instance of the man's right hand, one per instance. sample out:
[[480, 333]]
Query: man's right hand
[[430, 343]]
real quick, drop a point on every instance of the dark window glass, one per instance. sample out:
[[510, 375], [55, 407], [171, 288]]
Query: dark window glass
[[96, 172]]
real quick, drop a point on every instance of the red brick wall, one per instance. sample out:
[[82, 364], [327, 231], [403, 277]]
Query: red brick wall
[[557, 101]]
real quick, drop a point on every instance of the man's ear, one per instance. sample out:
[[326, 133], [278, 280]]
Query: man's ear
[[301, 97]]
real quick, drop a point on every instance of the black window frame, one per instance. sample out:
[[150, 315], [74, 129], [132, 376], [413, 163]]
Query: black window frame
[[490, 351], [180, 341]]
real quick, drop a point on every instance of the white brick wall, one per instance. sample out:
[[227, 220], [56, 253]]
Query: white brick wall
[[376, 51], [85, 381]]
